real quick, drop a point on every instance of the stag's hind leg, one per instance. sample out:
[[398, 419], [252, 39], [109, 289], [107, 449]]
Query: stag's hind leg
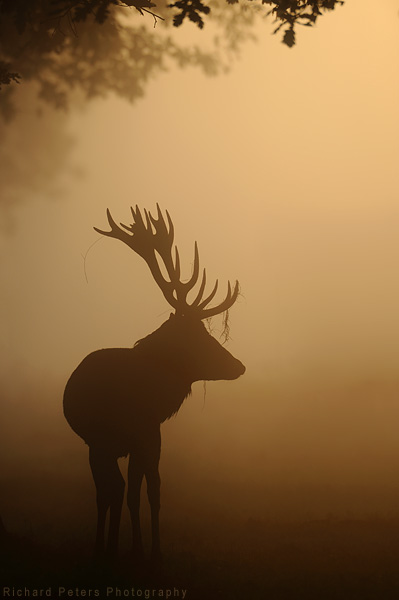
[[110, 487]]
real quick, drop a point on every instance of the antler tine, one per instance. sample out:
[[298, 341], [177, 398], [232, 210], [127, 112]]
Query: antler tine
[[188, 285], [198, 297], [161, 229], [177, 265], [194, 277], [115, 232], [148, 220], [138, 221], [171, 233], [162, 241], [225, 305], [210, 296], [149, 235], [160, 224], [141, 240], [183, 288]]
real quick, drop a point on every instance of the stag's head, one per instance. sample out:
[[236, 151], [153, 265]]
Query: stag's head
[[153, 239]]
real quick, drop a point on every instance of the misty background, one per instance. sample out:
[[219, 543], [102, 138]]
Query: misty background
[[285, 172]]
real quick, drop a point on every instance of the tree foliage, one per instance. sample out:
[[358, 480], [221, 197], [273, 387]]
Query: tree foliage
[[89, 45]]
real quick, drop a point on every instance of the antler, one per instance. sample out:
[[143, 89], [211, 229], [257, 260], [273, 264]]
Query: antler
[[152, 235]]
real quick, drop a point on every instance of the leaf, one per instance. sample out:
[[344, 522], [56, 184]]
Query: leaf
[[289, 37], [139, 3]]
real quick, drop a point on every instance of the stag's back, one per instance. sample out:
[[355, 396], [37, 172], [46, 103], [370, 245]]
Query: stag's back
[[99, 395]]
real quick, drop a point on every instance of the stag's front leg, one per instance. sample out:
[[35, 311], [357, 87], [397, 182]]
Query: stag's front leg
[[154, 489], [135, 478], [118, 490], [154, 497]]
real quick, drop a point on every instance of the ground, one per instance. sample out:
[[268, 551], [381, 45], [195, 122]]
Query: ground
[[221, 558]]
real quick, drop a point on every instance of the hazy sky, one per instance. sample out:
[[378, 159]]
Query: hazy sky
[[285, 172]]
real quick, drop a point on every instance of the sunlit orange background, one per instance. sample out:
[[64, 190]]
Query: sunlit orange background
[[285, 171]]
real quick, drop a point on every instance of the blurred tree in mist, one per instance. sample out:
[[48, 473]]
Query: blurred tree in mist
[[62, 53], [33, 154], [96, 46]]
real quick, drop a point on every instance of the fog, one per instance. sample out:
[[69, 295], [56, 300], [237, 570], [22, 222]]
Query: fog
[[284, 171]]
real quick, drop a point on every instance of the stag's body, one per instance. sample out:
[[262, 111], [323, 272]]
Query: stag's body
[[115, 390], [117, 398]]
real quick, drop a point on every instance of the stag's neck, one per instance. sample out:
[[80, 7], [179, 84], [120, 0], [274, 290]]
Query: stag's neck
[[173, 393], [166, 382]]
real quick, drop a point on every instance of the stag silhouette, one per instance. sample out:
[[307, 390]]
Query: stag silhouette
[[117, 398]]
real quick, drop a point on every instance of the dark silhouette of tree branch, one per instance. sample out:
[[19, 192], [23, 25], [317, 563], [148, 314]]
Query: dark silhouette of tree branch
[[89, 45], [190, 9], [71, 54], [7, 76]]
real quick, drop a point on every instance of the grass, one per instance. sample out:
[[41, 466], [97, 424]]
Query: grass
[[225, 559]]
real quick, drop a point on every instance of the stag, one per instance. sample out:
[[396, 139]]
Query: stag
[[117, 398]]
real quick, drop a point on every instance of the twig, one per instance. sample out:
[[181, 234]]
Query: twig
[[84, 256]]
